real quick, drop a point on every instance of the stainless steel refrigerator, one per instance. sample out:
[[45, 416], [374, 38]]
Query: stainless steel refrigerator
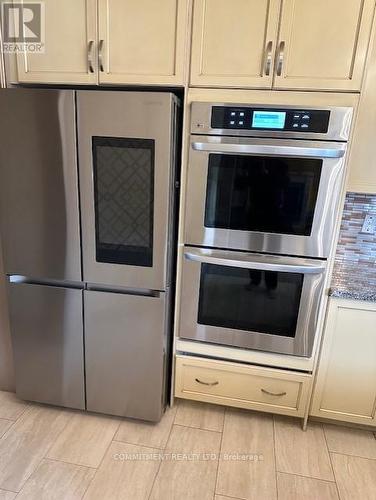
[[87, 190]]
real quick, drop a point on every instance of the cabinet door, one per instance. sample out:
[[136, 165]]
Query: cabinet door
[[234, 43], [362, 160], [70, 41], [346, 381], [323, 45], [142, 42]]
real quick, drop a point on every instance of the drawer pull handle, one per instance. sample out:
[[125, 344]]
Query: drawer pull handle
[[279, 394], [206, 383]]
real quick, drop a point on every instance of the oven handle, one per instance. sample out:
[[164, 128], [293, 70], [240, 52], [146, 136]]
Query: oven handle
[[253, 264], [269, 150]]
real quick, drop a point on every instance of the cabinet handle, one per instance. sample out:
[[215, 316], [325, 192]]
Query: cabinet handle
[[278, 394], [90, 56], [268, 58], [100, 55], [280, 58], [206, 383]]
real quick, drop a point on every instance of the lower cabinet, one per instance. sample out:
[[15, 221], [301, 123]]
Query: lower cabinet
[[346, 379], [234, 384]]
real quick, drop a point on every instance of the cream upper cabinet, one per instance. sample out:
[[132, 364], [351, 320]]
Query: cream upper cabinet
[[323, 44], [281, 44], [142, 41], [70, 41], [131, 42], [234, 42], [346, 380], [362, 159]]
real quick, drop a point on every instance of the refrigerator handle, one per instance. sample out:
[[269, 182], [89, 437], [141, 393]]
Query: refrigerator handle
[[18, 279], [93, 287]]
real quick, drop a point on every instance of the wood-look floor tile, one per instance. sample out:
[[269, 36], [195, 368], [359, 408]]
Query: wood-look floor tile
[[11, 407], [356, 477], [190, 471], [7, 495], [292, 487], [147, 433], [200, 415], [85, 439], [122, 477], [247, 464], [299, 452], [5, 425], [27, 442], [220, 497], [57, 481], [350, 441]]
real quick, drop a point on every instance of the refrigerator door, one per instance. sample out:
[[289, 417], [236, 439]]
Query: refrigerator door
[[124, 340], [39, 216], [125, 159], [47, 336]]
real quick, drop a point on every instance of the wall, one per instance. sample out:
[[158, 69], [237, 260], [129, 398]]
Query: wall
[[355, 263], [6, 356]]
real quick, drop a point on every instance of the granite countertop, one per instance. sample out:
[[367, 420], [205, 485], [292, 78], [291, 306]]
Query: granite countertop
[[367, 295], [354, 275]]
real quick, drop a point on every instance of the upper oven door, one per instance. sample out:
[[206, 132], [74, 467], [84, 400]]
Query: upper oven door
[[251, 301], [264, 195]]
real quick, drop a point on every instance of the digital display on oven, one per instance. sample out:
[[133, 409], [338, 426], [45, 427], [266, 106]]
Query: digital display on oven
[[269, 119]]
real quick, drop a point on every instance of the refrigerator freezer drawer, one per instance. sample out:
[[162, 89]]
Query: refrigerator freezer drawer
[[124, 339], [47, 334]]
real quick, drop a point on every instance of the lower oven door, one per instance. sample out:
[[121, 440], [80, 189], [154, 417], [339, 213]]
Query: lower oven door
[[252, 301]]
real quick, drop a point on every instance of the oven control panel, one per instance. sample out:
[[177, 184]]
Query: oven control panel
[[291, 120]]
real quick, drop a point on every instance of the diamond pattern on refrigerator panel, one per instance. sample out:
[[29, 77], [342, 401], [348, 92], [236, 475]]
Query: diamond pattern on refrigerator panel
[[124, 178]]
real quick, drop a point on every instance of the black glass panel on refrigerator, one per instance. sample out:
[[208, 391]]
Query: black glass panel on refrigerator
[[247, 299], [271, 195], [124, 199]]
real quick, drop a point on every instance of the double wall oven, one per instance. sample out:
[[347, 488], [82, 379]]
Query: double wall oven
[[263, 194]]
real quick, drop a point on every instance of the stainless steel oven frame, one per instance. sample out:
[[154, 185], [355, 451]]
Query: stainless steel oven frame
[[314, 272], [338, 129], [318, 244]]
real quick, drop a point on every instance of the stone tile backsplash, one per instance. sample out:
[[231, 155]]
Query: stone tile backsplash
[[355, 263]]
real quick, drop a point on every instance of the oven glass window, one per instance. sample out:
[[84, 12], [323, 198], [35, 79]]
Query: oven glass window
[[124, 200], [271, 195], [246, 299]]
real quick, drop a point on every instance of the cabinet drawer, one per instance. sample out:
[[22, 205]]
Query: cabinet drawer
[[241, 386]]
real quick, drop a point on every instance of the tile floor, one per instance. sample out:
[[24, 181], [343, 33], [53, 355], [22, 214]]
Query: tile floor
[[197, 452]]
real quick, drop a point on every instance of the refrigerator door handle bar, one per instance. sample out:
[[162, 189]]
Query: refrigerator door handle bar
[[18, 279], [93, 287]]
